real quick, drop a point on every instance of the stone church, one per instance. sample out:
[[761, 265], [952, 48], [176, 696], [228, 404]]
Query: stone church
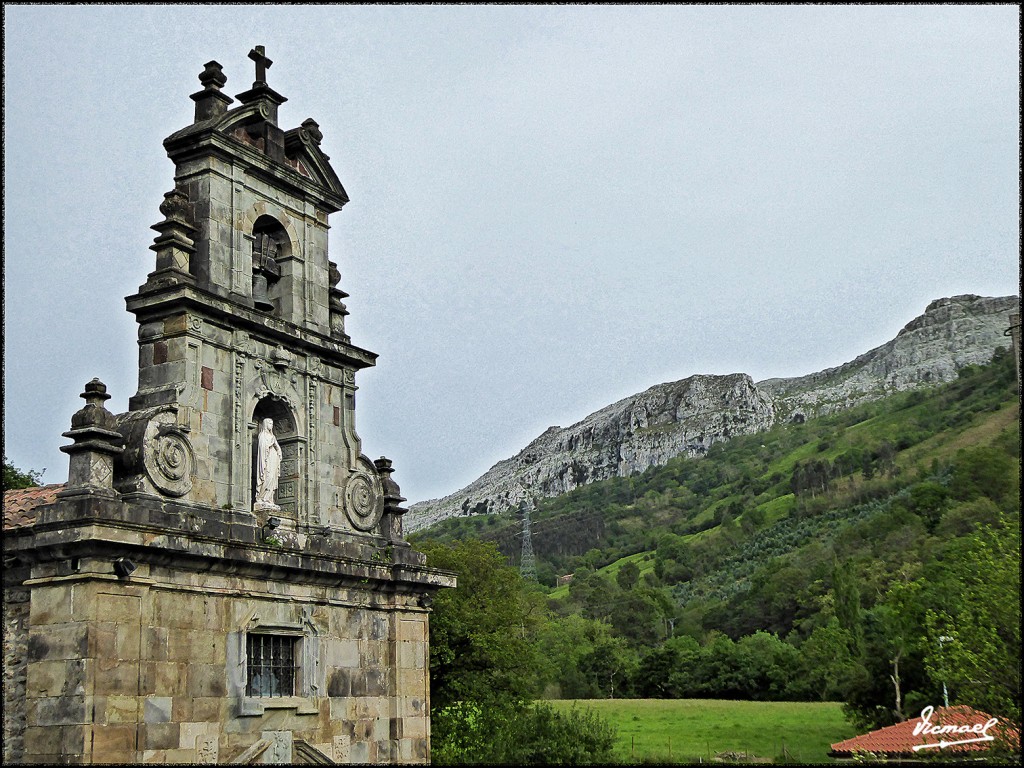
[[224, 577]]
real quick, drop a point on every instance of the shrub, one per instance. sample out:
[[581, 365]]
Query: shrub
[[466, 733]]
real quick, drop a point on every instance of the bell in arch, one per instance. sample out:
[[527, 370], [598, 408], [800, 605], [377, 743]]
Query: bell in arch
[[264, 266], [260, 296]]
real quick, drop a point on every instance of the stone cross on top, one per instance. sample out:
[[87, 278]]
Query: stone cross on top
[[258, 54]]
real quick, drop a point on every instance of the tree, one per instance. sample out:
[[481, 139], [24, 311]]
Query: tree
[[651, 680], [847, 603], [900, 619], [974, 636], [927, 500], [481, 633], [563, 643], [985, 471], [485, 668], [545, 736], [628, 575], [610, 666], [593, 592], [672, 560], [684, 675], [769, 665], [963, 518], [536, 734], [830, 667], [15, 478], [639, 616]]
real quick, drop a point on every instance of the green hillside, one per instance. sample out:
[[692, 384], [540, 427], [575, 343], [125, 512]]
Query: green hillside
[[755, 480], [817, 561]]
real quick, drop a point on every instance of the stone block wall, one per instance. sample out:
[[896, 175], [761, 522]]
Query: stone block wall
[[15, 642], [227, 199], [154, 670]]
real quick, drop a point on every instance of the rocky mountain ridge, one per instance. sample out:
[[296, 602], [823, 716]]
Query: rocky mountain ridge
[[952, 333], [686, 417]]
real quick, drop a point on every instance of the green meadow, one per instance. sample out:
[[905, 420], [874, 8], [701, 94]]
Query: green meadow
[[695, 730]]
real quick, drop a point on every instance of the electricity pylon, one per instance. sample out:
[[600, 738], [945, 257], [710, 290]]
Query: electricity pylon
[[527, 563]]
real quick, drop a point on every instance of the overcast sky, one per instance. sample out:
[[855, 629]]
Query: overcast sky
[[551, 207]]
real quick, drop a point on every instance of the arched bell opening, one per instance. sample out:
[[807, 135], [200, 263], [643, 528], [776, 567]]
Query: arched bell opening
[[271, 267], [284, 428]]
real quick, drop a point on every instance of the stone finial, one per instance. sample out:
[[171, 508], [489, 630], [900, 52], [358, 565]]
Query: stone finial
[[94, 414], [393, 510], [175, 206], [312, 129], [174, 245], [213, 77], [96, 444], [210, 102], [95, 391], [334, 296], [333, 274]]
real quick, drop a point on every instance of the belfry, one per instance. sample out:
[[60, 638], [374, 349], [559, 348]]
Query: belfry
[[224, 577]]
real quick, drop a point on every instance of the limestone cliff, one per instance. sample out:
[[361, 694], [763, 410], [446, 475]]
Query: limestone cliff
[[951, 334], [680, 418], [686, 417]]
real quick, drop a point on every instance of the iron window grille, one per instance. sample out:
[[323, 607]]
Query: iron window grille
[[270, 668]]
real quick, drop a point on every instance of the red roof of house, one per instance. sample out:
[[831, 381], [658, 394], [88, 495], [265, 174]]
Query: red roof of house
[[899, 739], [20, 504]]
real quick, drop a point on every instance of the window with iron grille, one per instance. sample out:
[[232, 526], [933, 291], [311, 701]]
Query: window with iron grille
[[270, 668]]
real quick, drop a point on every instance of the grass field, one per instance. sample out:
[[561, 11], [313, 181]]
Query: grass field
[[694, 730]]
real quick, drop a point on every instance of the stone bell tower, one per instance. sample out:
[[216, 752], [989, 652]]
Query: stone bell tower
[[242, 320], [199, 591]]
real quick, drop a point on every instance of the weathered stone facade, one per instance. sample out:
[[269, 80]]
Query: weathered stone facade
[[161, 619]]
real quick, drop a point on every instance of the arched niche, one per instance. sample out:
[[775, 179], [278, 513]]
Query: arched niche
[[290, 485], [273, 277]]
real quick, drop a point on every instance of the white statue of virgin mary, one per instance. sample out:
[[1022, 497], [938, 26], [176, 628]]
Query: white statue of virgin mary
[[268, 467]]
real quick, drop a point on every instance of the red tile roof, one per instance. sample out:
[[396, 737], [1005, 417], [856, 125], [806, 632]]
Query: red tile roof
[[20, 504], [900, 739]]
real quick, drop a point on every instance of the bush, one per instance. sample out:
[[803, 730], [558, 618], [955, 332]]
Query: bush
[[523, 734]]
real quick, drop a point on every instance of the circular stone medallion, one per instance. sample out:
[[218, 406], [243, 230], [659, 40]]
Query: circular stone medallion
[[364, 503], [169, 460]]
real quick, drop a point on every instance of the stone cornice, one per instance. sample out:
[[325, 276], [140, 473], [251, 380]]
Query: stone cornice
[[167, 301], [165, 533]]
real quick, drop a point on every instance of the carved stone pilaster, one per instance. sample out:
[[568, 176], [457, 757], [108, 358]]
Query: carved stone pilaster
[[312, 452], [239, 418]]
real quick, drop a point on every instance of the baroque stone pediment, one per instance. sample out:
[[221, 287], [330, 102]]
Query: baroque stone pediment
[[242, 127], [302, 146]]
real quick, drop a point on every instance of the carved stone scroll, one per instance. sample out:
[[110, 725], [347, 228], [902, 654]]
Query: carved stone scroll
[[364, 501]]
